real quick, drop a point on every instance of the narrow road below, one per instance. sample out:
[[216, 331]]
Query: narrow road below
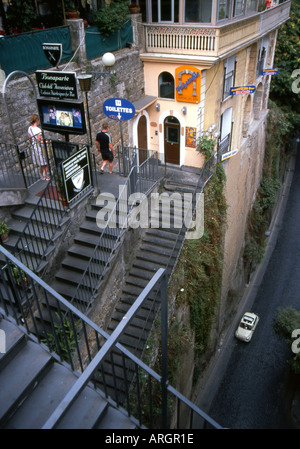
[[250, 379]]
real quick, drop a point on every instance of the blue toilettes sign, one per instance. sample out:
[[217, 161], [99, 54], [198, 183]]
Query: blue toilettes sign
[[118, 109]]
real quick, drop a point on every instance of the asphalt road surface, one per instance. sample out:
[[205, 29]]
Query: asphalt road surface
[[251, 392]]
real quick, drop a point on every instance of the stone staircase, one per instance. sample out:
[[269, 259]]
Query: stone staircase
[[32, 247], [159, 248], [33, 384], [78, 255], [154, 252]]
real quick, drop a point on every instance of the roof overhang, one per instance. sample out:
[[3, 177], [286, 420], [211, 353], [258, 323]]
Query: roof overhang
[[143, 103]]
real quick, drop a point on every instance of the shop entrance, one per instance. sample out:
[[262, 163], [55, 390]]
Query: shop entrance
[[172, 140]]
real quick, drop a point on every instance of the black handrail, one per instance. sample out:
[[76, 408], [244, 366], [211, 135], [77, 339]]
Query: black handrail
[[34, 240], [77, 342]]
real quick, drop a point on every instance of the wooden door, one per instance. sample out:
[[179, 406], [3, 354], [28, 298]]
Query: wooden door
[[142, 139], [172, 140]]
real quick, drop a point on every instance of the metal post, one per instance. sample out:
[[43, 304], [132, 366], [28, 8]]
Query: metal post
[[88, 117], [164, 349]]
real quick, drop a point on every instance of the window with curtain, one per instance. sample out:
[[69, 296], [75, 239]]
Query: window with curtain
[[166, 85], [198, 11]]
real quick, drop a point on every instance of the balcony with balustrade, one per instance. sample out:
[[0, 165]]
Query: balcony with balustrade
[[227, 28]]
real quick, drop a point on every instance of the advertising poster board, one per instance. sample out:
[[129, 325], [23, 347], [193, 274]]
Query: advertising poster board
[[76, 173]]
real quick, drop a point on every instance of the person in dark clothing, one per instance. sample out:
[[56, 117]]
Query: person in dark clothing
[[105, 147]]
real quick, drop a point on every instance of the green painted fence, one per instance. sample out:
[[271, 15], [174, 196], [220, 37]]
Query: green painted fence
[[97, 46], [24, 51]]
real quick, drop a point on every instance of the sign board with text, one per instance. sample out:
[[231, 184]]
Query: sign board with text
[[53, 52], [269, 71], [76, 172], [187, 83], [240, 90], [54, 84], [228, 155], [118, 109]]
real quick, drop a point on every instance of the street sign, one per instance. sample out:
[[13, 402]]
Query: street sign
[[269, 71], [53, 53], [242, 90], [229, 154], [118, 109]]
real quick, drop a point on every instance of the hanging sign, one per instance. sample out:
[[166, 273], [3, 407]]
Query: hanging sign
[[76, 173], [269, 72], [187, 81], [242, 90], [227, 155], [118, 109], [53, 53], [60, 85]]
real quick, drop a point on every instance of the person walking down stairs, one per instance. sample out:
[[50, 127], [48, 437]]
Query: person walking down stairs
[[105, 147]]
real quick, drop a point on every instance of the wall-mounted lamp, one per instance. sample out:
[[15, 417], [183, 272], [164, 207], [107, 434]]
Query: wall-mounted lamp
[[183, 110], [108, 60], [85, 81], [157, 107]]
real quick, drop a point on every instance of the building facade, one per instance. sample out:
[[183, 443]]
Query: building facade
[[194, 52]]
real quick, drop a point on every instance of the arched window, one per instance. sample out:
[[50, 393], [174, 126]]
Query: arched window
[[166, 85]]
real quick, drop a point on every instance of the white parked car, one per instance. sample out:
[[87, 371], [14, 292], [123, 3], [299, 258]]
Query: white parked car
[[247, 326]]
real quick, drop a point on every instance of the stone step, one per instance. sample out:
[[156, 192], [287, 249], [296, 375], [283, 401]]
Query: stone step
[[20, 377]]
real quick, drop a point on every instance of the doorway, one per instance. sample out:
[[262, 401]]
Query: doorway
[[172, 140], [142, 139]]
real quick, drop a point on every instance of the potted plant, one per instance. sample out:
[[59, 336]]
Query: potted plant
[[4, 231], [134, 8], [71, 10], [206, 145]]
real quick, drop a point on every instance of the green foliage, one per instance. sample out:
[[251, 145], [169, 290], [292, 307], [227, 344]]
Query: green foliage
[[112, 17], [268, 193], [203, 262], [63, 340], [287, 320], [21, 15], [4, 229], [276, 154], [287, 59], [206, 146], [18, 274]]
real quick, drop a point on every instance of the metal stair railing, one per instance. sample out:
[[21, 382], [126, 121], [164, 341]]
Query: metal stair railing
[[82, 346], [49, 210], [140, 179], [205, 175]]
